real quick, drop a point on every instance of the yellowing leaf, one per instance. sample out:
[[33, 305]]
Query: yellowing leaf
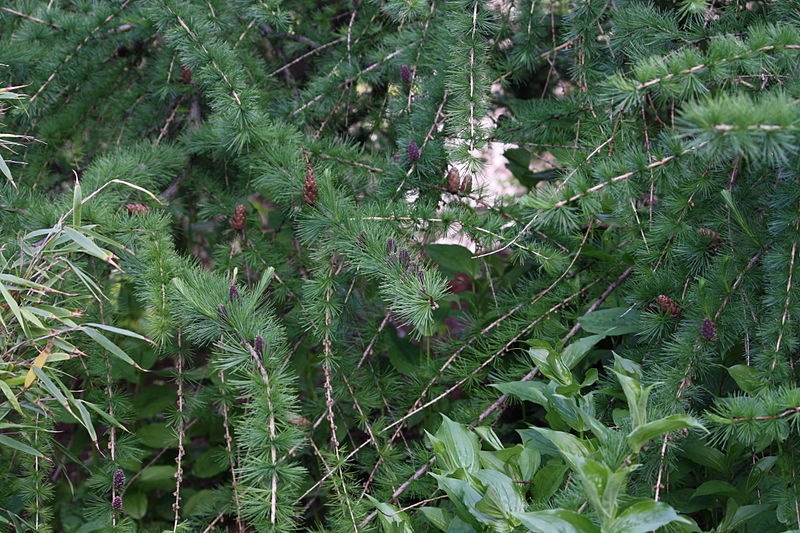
[[40, 360]]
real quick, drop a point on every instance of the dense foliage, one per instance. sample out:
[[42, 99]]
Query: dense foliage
[[230, 299]]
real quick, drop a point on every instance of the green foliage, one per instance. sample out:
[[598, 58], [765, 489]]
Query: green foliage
[[255, 276]]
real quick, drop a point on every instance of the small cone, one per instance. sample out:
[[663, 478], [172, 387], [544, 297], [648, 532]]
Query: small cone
[[453, 180], [310, 185], [708, 330], [186, 75], [405, 74], [239, 219], [668, 305], [413, 151], [137, 209]]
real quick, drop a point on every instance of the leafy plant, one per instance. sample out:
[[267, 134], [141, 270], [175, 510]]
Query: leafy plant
[[288, 257]]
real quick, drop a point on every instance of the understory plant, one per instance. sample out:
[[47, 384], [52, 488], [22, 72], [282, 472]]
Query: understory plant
[[401, 265]]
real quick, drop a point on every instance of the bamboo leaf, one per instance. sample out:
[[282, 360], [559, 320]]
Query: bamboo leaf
[[12, 304], [19, 446], [39, 362], [87, 245], [120, 331], [115, 350], [77, 199], [10, 396]]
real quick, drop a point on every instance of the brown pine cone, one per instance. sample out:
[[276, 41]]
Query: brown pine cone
[[453, 180], [310, 185], [239, 219], [137, 209], [668, 305], [186, 75]]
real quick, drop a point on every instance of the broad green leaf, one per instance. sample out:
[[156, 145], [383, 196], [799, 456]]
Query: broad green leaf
[[94, 525], [614, 321], [459, 447], [488, 435], [437, 516], [32, 320], [549, 363], [391, 520], [615, 486], [529, 461], [568, 409], [202, 502], [567, 444], [717, 487], [595, 477], [736, 516], [501, 499], [646, 516], [209, 464], [452, 259], [462, 495], [158, 473], [747, 378], [135, 504], [636, 395], [639, 436], [157, 435], [702, 454], [19, 446], [557, 521], [532, 391], [576, 351], [627, 367]]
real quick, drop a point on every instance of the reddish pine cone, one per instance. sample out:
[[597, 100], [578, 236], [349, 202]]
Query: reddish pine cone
[[405, 74], [137, 209], [310, 185], [239, 219], [186, 75], [708, 330], [258, 345], [453, 180], [713, 236], [668, 305], [119, 479], [413, 151], [116, 503]]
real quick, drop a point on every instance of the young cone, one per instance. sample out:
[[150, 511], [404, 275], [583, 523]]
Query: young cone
[[310, 185]]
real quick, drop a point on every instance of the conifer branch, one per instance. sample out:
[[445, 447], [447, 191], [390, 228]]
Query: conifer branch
[[176, 506], [78, 48], [350, 80], [229, 448], [29, 17]]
